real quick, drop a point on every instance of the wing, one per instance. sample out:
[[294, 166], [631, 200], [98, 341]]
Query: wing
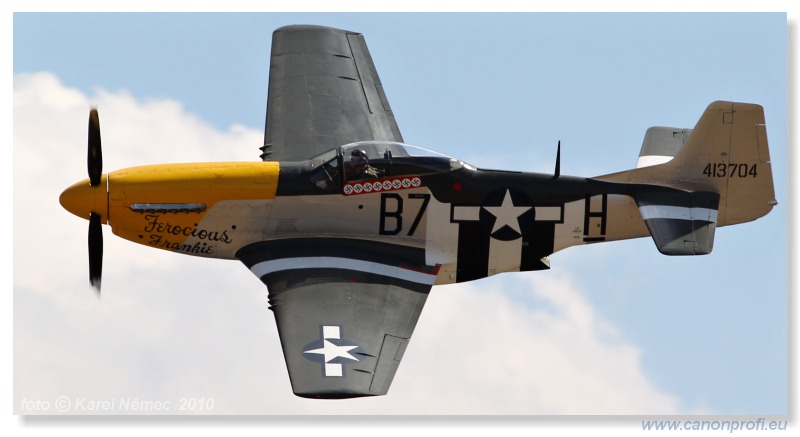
[[345, 309], [324, 91]]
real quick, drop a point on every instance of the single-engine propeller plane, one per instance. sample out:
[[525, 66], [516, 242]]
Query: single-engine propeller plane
[[349, 227]]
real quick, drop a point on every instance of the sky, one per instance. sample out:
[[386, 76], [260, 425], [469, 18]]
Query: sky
[[612, 329]]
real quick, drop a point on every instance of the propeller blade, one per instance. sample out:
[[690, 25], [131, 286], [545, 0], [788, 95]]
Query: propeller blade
[[95, 155], [95, 251]]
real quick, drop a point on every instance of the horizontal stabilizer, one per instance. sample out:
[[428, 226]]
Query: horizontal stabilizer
[[680, 222], [661, 144]]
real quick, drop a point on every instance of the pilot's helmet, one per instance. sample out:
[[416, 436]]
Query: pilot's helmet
[[358, 157]]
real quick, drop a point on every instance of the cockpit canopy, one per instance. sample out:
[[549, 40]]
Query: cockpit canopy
[[377, 159]]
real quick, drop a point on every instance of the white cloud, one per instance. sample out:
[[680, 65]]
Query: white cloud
[[171, 327], [530, 344]]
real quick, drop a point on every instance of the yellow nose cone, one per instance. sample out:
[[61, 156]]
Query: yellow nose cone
[[83, 199]]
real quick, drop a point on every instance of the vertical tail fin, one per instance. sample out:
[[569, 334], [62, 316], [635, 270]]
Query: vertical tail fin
[[721, 176], [726, 153]]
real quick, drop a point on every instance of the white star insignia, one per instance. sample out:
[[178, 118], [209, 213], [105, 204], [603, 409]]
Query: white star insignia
[[507, 214], [331, 351]]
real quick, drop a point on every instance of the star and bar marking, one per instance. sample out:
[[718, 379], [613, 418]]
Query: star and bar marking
[[331, 351], [507, 214]]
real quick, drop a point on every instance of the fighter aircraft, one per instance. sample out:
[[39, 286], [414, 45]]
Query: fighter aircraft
[[349, 227]]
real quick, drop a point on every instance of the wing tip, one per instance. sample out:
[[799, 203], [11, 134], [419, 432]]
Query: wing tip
[[335, 395], [309, 28]]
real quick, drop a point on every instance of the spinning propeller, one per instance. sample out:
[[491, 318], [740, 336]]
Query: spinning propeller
[[95, 168], [88, 199]]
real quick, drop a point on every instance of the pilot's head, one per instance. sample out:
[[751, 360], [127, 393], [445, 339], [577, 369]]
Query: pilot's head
[[358, 158]]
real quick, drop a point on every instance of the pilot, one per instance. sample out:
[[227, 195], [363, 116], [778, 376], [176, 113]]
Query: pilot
[[361, 168]]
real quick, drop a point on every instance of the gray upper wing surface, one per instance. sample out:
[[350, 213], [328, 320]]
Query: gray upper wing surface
[[324, 91], [345, 309]]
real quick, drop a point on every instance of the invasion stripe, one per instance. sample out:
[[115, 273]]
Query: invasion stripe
[[678, 213], [328, 262]]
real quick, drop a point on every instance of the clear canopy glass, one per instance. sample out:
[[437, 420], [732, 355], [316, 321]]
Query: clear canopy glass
[[378, 159]]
